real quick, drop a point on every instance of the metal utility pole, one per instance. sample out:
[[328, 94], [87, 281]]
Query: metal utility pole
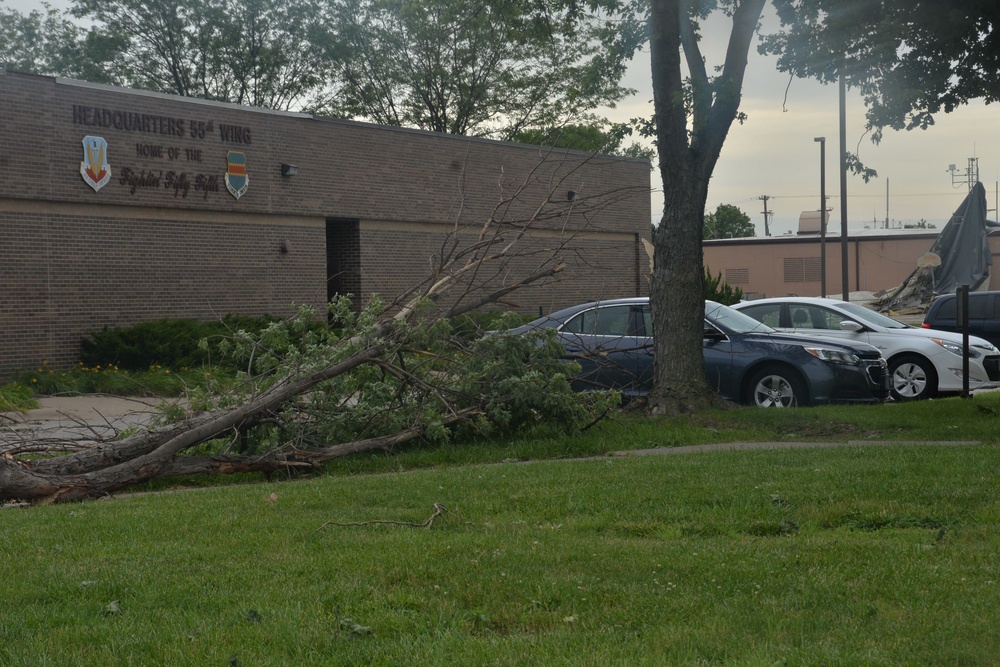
[[822, 214], [767, 228], [887, 203], [843, 184]]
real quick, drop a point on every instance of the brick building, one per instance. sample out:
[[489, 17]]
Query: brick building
[[121, 206], [791, 265]]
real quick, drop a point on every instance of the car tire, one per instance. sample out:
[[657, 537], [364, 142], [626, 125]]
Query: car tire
[[912, 378], [776, 387]]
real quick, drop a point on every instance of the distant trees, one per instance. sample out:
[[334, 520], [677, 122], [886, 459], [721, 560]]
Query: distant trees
[[728, 222], [42, 41], [481, 68], [262, 53], [484, 68]]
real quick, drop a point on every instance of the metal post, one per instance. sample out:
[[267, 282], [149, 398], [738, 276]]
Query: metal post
[[822, 214], [843, 185], [962, 302]]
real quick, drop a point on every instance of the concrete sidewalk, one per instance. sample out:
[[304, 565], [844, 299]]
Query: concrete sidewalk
[[78, 418]]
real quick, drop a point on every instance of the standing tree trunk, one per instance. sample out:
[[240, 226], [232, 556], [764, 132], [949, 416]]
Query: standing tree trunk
[[691, 125]]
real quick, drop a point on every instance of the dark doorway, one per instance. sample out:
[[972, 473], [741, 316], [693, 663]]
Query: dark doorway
[[343, 258]]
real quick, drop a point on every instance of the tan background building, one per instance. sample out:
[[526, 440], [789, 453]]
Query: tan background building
[[160, 234], [790, 265]]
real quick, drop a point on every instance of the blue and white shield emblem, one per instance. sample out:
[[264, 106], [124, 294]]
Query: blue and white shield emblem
[[95, 169], [236, 173]]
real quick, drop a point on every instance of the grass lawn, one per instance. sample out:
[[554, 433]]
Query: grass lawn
[[840, 556]]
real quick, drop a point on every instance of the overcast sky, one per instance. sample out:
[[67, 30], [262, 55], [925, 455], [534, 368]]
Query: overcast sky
[[774, 154]]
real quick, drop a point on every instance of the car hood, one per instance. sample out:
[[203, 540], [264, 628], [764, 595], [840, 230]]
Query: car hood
[[863, 350], [949, 336]]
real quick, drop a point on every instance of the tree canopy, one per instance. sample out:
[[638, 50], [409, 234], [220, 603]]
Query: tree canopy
[[42, 40], [910, 59], [479, 68], [258, 52], [489, 69], [728, 222]]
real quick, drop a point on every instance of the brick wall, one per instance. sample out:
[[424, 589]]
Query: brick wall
[[165, 238]]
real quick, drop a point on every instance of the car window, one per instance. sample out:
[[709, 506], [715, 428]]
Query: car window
[[869, 316], [582, 323], [814, 317], [647, 320], [768, 313], [948, 310], [602, 321], [612, 321], [731, 320], [977, 306]]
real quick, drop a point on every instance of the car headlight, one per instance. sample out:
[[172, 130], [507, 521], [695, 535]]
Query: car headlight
[[956, 348], [833, 356], [987, 348]]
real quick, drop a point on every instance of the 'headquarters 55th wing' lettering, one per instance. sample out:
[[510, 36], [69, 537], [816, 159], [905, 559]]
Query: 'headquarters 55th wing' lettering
[[130, 121]]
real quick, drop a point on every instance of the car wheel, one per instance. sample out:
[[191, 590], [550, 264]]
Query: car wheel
[[777, 387], [913, 378]]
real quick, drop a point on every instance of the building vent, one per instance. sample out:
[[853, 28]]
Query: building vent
[[738, 276], [802, 270]]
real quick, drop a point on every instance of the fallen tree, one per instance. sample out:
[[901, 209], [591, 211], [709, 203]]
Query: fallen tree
[[319, 386]]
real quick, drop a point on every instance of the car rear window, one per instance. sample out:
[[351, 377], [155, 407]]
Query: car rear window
[[978, 304]]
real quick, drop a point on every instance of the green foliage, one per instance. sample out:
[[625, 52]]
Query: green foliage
[[110, 379], [17, 397], [474, 325], [597, 137], [915, 59], [481, 69], [727, 222], [260, 53], [172, 343], [717, 289], [428, 372], [41, 41]]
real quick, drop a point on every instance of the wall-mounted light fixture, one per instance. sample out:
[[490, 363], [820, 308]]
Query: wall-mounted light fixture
[[572, 195], [289, 170], [285, 247]]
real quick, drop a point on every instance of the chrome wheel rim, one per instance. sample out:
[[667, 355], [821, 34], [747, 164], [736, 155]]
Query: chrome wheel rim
[[774, 391], [909, 380]]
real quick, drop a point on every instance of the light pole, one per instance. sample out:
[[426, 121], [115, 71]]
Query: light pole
[[842, 85], [822, 214]]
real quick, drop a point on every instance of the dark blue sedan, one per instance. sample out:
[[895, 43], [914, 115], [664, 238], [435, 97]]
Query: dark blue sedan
[[745, 360]]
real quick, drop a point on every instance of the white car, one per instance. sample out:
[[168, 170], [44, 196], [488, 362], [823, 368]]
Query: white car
[[922, 362]]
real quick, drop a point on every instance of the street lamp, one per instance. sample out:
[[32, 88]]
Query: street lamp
[[822, 214]]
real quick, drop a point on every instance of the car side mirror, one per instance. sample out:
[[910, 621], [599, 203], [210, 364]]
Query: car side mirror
[[713, 334], [850, 325]]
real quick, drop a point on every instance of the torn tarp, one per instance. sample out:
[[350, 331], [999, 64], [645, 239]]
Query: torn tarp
[[962, 245], [964, 254]]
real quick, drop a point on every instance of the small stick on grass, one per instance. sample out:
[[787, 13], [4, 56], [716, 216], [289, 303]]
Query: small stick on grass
[[439, 509]]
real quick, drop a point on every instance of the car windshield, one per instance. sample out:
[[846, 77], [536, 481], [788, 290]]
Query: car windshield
[[733, 320], [869, 316]]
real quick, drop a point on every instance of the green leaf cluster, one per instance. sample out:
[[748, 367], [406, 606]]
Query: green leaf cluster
[[717, 289], [912, 60], [728, 222], [429, 372]]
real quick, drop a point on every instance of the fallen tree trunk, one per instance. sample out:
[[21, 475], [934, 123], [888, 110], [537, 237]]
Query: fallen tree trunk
[[111, 466]]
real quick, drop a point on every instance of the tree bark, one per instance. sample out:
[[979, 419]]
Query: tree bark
[[689, 141]]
